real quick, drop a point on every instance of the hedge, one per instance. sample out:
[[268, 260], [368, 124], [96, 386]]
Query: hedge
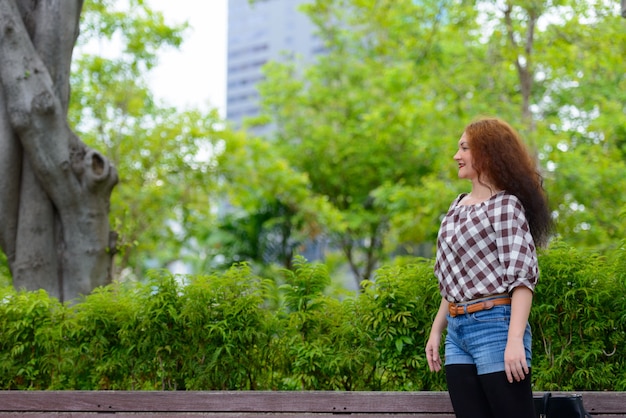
[[238, 331]]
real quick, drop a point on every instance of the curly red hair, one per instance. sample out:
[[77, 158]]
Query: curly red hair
[[501, 158]]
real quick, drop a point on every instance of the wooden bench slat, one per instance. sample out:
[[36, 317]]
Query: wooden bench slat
[[244, 401], [211, 415], [251, 404]]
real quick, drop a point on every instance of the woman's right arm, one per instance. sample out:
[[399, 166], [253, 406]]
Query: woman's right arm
[[434, 340]]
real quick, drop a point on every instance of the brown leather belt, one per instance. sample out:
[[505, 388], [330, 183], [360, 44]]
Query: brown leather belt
[[467, 308]]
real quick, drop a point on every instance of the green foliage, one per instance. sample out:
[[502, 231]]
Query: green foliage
[[365, 117], [98, 349], [31, 347], [373, 122], [579, 326], [396, 311], [140, 31], [314, 342], [588, 195], [5, 273], [361, 156], [161, 208], [238, 331], [272, 210], [229, 331]]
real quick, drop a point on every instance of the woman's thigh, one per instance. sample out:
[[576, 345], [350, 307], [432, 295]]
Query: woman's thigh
[[480, 339]]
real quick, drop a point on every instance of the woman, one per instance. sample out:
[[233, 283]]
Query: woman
[[487, 269]]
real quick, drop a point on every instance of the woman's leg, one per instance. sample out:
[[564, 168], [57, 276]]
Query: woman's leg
[[466, 392], [508, 400]]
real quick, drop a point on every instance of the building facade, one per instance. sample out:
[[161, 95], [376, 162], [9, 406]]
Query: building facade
[[259, 32]]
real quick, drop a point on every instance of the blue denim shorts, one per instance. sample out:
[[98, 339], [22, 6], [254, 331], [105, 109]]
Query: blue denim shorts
[[480, 338]]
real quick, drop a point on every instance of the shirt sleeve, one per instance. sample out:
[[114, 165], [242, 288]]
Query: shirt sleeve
[[516, 248]]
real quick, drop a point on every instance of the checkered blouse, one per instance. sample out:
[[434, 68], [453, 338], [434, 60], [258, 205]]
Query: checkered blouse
[[485, 249]]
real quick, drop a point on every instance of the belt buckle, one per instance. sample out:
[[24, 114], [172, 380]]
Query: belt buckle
[[453, 309]]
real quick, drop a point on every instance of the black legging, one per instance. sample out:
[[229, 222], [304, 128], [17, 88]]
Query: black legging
[[489, 395]]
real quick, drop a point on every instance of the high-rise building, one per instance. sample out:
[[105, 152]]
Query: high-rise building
[[258, 32]]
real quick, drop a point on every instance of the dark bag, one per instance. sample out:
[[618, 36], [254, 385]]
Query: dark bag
[[560, 406]]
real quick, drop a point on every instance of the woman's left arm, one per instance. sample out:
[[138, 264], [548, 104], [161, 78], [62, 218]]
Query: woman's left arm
[[518, 257], [515, 365]]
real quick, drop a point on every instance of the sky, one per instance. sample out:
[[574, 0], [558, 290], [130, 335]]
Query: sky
[[195, 75]]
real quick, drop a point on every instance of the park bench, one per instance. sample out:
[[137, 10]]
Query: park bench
[[250, 404]]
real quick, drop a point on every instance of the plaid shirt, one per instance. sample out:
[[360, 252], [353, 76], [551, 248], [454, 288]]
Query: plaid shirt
[[485, 249]]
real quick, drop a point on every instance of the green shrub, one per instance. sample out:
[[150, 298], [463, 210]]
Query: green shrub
[[579, 321], [227, 332], [101, 357], [320, 345], [32, 343], [237, 331], [396, 312]]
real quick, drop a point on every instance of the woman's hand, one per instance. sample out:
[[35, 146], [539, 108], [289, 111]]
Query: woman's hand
[[434, 340], [515, 365], [432, 353]]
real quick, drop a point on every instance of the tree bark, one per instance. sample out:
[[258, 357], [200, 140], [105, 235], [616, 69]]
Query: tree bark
[[54, 190]]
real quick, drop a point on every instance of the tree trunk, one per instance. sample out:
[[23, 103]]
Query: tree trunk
[[54, 190]]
